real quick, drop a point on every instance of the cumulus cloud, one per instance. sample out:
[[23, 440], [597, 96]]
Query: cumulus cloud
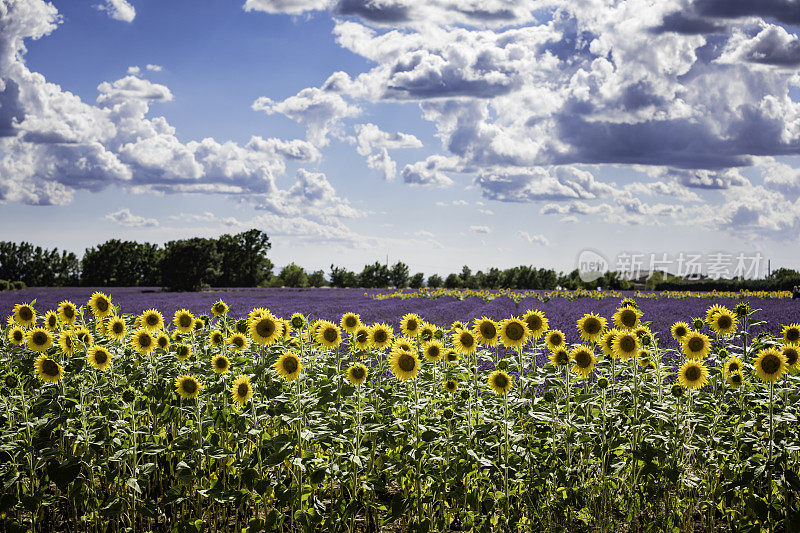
[[533, 238], [124, 217], [480, 230], [430, 171], [784, 179], [528, 185], [374, 144], [118, 10], [773, 45]]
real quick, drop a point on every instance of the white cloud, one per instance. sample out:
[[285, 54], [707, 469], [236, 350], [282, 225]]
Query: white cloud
[[118, 10], [533, 239], [124, 217], [528, 185], [430, 171], [154, 68], [480, 230]]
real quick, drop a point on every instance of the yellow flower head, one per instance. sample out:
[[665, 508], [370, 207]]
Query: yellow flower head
[[770, 365], [692, 374], [349, 322], [184, 321], [696, 345], [288, 365], [485, 331], [591, 327], [48, 370], [152, 320], [537, 323], [187, 387], [357, 374], [39, 339], [100, 305], [24, 315], [500, 382], [404, 365], [99, 357], [241, 390], [514, 333]]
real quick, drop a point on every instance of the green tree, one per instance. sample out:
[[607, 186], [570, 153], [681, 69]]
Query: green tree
[[417, 280], [435, 281], [121, 263], [374, 275], [243, 258], [190, 264], [341, 277], [398, 275], [293, 276], [317, 278]]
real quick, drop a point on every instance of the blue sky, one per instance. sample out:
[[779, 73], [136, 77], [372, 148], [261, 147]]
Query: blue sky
[[441, 133]]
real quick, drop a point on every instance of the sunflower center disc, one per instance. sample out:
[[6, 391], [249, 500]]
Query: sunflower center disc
[[406, 363], [329, 335], [693, 373], [242, 389], [290, 365], [770, 364], [50, 367]]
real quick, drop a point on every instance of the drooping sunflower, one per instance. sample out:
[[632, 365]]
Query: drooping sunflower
[[433, 351], [735, 379], [241, 326], [349, 322], [500, 382], [265, 329], [184, 321], [626, 345], [792, 354], [692, 374], [791, 334], [404, 343], [237, 342], [16, 335], [285, 328], [450, 386], [67, 312], [142, 341], [607, 342], [485, 331], [183, 351], [584, 359], [696, 345], [257, 312], [162, 341], [116, 328], [100, 326], [410, 324], [559, 357], [220, 364], [66, 342], [198, 325], [100, 305], [298, 321], [99, 357], [770, 365], [152, 320], [537, 323], [626, 318], [361, 338], [404, 365], [83, 335], [329, 335], [380, 336], [514, 333], [357, 374], [628, 302], [713, 310], [219, 308], [457, 325], [48, 370], [451, 356], [555, 339], [187, 387], [723, 322], [216, 338], [241, 390], [288, 365], [679, 331], [51, 321], [24, 315], [734, 364], [38, 339], [645, 361], [591, 327], [464, 342], [426, 331]]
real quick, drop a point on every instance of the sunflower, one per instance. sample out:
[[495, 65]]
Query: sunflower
[[457, 325], [734, 364], [83, 335], [24, 315], [426, 331], [265, 329], [99, 357], [184, 321], [198, 325], [584, 359], [692, 374], [464, 342], [698, 324], [187, 387], [450, 386], [100, 327], [555, 339], [679, 331], [404, 343], [626, 318], [433, 351], [791, 334], [357, 374], [216, 338], [723, 322], [713, 310], [328, 335], [237, 342], [241, 326], [349, 322], [696, 345], [152, 320], [500, 382], [67, 312], [559, 357], [591, 327], [298, 321], [607, 342], [183, 351], [537, 323], [16, 335], [514, 333], [100, 305], [286, 329], [792, 354], [485, 331], [627, 302], [626, 345], [39, 339], [361, 338], [405, 365], [735, 379], [219, 308], [116, 328], [289, 365], [142, 341], [770, 365], [66, 342], [48, 370], [380, 336], [241, 391], [51, 321], [220, 364], [451, 356], [410, 324]]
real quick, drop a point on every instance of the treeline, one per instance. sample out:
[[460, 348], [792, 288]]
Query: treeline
[[782, 279]]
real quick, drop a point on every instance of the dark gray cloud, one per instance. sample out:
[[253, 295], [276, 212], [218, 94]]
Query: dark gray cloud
[[679, 22], [10, 109], [787, 11], [379, 12]]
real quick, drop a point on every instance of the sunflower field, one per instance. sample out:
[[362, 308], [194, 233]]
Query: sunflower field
[[120, 422]]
